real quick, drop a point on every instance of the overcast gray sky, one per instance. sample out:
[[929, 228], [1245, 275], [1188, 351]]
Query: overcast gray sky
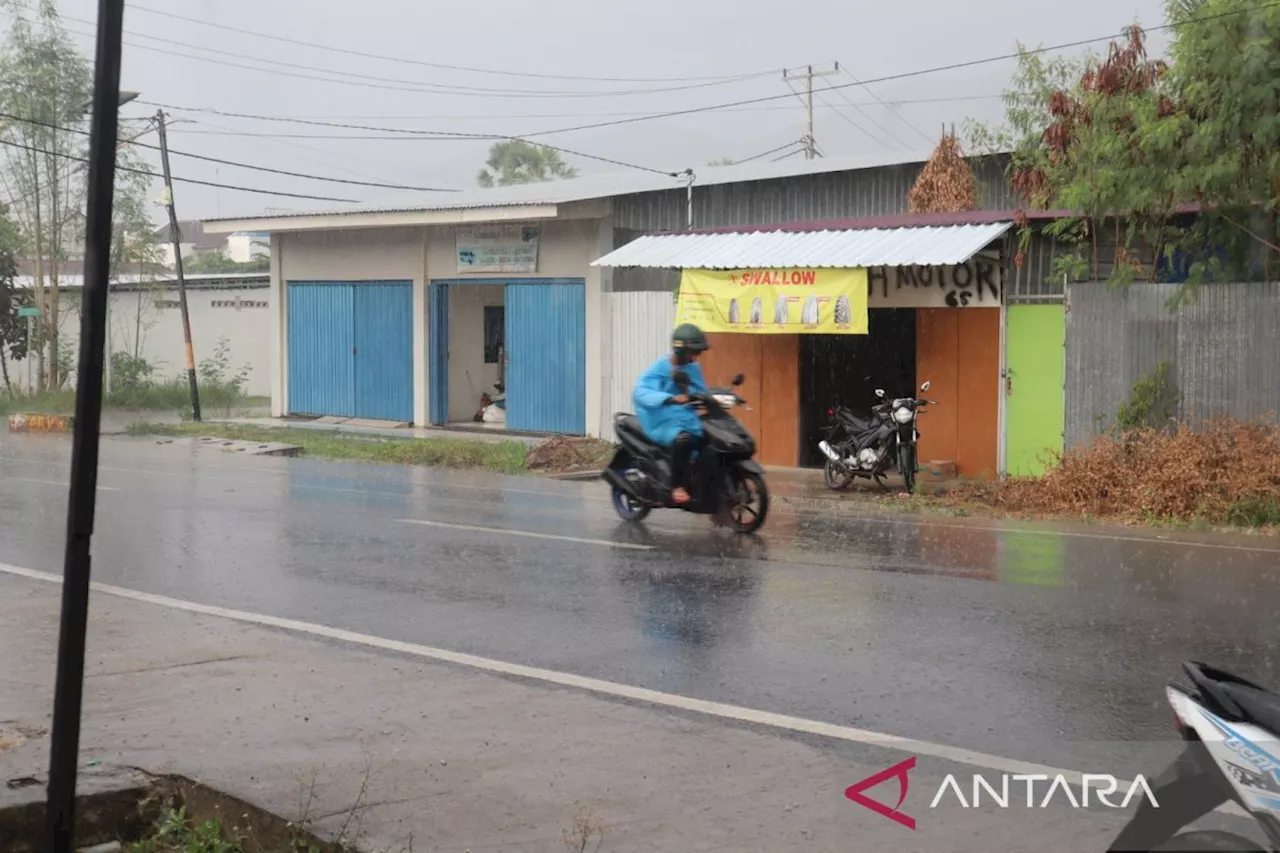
[[573, 38]]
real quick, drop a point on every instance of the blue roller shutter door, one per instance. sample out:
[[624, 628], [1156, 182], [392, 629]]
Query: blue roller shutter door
[[546, 341], [384, 350], [351, 349], [321, 338]]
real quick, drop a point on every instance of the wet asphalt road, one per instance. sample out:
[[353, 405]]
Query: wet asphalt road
[[1026, 644]]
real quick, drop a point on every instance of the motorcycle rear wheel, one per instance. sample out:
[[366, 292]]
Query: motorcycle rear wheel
[[749, 503], [1209, 842], [836, 478], [628, 508]]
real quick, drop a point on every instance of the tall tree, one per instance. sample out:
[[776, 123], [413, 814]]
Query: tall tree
[[44, 91], [1130, 144], [13, 337], [514, 161]]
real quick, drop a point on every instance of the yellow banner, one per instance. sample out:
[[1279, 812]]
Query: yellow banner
[[775, 301]]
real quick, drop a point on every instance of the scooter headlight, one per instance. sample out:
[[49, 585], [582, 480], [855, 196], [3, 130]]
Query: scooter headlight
[[903, 415], [726, 401]]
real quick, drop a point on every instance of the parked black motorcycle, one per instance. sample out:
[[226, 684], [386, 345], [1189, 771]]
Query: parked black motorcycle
[[726, 480], [867, 448]]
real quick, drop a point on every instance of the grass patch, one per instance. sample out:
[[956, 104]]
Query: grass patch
[[162, 397], [505, 457]]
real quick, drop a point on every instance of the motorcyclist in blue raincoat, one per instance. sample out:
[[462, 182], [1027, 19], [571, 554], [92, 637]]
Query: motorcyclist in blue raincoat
[[660, 404]]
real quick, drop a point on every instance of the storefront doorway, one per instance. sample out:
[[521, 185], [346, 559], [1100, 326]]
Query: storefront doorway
[[846, 370]]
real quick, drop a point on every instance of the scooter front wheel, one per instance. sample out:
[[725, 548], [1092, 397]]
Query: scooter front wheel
[[628, 508], [750, 502]]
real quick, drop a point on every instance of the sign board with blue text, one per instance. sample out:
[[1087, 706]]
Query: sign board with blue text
[[497, 249]]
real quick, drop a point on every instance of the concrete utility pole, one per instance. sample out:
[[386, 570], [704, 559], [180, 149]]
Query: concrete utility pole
[[789, 74], [176, 237]]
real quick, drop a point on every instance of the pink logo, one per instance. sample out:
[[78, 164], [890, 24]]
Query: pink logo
[[898, 771]]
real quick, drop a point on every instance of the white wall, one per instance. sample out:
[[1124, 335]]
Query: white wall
[[143, 318], [639, 326], [469, 376], [420, 254], [382, 254]]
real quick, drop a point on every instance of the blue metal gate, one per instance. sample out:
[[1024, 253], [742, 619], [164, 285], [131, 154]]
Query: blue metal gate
[[546, 340], [438, 340], [351, 349], [321, 338], [384, 350]]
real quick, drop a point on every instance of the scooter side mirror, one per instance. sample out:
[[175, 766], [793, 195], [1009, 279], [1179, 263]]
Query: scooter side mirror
[[738, 380], [880, 393], [925, 386]]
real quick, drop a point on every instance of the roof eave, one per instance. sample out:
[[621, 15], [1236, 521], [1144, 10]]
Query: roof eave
[[384, 219]]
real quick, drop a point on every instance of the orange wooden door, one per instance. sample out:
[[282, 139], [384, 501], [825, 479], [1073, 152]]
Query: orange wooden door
[[937, 342], [779, 401], [771, 367], [958, 351]]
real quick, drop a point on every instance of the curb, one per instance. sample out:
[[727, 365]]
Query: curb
[[28, 422]]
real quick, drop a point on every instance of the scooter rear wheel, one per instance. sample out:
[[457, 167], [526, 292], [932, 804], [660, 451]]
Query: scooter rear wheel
[[750, 502], [628, 508]]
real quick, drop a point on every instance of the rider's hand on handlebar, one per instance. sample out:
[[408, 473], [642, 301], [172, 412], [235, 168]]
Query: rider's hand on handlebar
[[679, 399]]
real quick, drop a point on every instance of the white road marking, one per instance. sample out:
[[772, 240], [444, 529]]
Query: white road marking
[[8, 478], [600, 686], [509, 532]]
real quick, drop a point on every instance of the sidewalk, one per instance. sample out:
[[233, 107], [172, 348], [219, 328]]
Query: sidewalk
[[456, 758], [478, 434]]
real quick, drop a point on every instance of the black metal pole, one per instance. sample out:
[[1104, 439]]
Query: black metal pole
[[176, 236], [69, 687]]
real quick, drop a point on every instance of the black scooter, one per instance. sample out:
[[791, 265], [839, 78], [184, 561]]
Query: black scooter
[[726, 480]]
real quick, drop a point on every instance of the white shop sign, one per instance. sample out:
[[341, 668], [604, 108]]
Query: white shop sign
[[497, 249], [977, 283]]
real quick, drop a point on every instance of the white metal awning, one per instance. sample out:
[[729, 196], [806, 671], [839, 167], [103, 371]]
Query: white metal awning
[[936, 245]]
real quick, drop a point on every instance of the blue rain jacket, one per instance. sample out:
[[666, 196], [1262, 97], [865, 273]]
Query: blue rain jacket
[[662, 421]]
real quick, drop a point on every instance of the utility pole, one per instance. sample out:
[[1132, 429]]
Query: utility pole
[[176, 237], [808, 73]]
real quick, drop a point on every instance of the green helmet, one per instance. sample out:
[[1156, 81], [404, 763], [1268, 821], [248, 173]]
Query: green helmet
[[689, 338]]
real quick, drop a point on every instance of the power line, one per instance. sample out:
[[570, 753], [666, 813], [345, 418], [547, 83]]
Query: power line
[[151, 174], [387, 83], [762, 154], [882, 103], [877, 140], [441, 65], [938, 69], [429, 134], [499, 116], [868, 117], [219, 160]]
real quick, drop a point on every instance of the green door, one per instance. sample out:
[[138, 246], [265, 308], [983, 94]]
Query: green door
[[1034, 404]]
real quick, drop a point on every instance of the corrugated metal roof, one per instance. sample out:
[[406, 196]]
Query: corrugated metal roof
[[869, 247], [608, 185]]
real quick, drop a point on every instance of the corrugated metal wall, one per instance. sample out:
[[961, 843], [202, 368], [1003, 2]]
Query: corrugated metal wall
[[640, 327], [547, 340], [836, 195], [1222, 351], [321, 337], [384, 350]]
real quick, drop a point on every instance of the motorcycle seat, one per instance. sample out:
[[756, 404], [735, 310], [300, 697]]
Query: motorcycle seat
[[1262, 706], [628, 426]]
